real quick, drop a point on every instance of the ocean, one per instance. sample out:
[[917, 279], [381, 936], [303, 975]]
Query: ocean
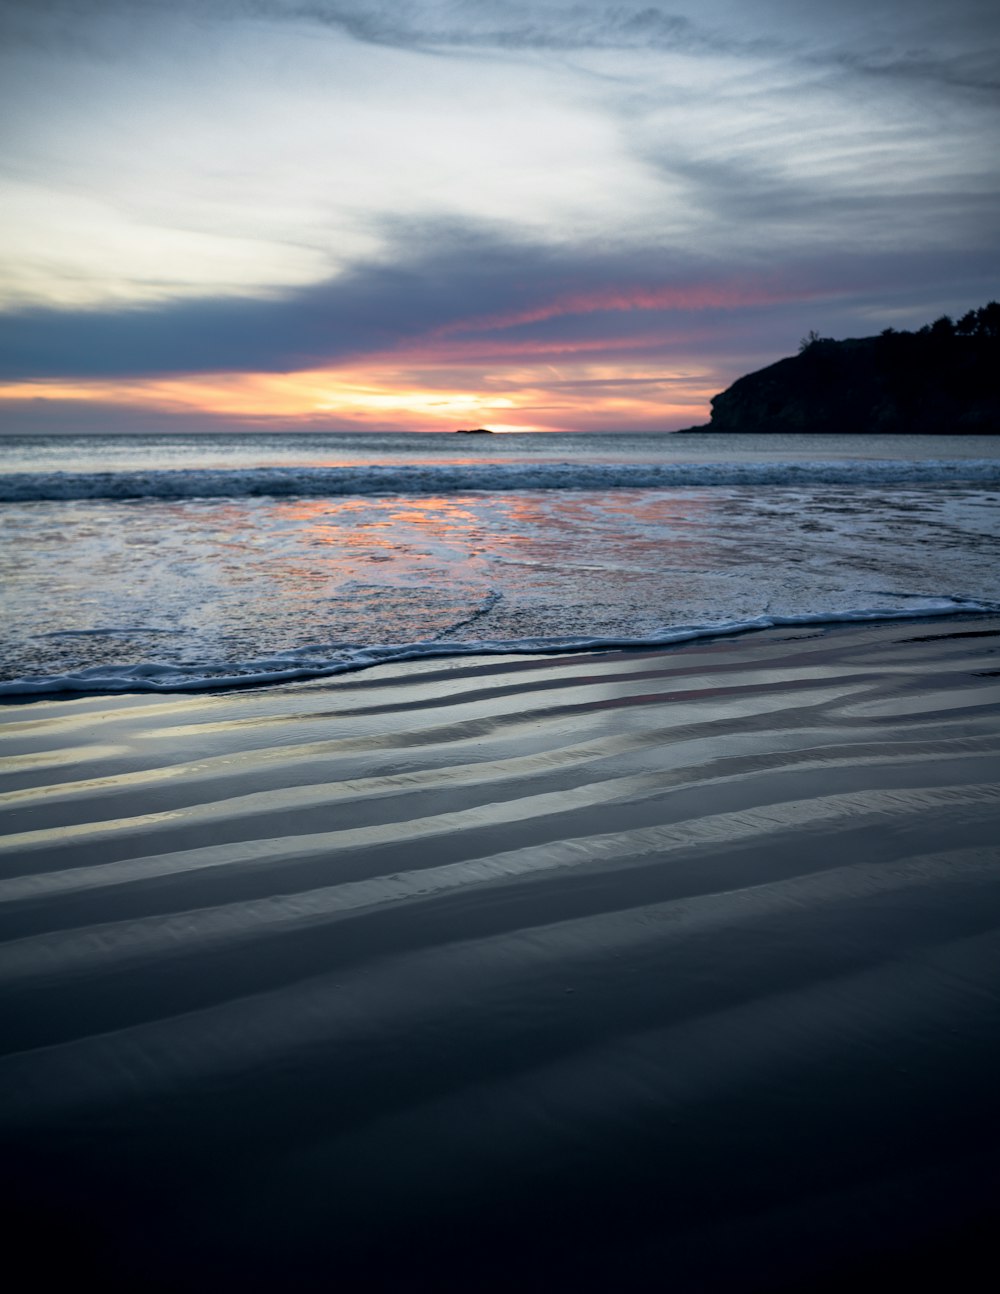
[[500, 966], [161, 563]]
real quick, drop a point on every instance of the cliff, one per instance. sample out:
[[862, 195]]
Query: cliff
[[943, 379]]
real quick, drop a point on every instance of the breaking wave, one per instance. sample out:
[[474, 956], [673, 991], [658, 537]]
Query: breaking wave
[[494, 478]]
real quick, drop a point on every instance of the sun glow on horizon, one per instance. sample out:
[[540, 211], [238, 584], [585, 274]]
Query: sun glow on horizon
[[561, 397]]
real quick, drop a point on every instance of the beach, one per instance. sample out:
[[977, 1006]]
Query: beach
[[627, 970], [500, 647]]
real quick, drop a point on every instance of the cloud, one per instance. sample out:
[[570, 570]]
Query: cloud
[[577, 181], [420, 24], [803, 33], [827, 200], [438, 280], [456, 293], [882, 40], [513, 26]]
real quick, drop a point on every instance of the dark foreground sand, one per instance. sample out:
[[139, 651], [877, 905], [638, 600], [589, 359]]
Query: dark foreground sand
[[657, 971]]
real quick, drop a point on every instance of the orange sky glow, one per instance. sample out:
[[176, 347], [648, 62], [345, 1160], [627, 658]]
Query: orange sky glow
[[560, 396], [358, 215]]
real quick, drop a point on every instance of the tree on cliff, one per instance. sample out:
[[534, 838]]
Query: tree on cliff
[[944, 378]]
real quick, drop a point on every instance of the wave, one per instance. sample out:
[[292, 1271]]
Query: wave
[[318, 662], [494, 478]]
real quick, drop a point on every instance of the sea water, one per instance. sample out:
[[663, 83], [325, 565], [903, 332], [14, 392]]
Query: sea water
[[210, 561]]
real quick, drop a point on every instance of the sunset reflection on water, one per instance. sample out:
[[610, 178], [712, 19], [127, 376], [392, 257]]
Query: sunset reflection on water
[[242, 577], [632, 531], [508, 562], [221, 580]]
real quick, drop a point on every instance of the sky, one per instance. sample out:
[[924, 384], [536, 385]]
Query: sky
[[567, 215]]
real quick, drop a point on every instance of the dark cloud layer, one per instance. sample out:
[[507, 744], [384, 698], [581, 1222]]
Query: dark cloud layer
[[450, 287], [441, 278], [798, 237]]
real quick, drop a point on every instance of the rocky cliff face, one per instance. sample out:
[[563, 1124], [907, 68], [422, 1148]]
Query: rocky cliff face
[[943, 379]]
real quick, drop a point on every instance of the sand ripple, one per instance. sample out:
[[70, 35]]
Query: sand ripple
[[584, 964]]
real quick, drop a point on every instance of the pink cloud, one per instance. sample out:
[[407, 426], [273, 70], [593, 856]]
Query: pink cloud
[[697, 297]]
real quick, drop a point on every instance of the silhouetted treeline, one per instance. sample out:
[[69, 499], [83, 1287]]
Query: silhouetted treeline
[[944, 378]]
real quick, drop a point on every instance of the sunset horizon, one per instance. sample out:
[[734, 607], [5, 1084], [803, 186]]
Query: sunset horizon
[[500, 664], [545, 217]]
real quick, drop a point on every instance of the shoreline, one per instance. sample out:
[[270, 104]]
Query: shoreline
[[157, 679], [550, 972]]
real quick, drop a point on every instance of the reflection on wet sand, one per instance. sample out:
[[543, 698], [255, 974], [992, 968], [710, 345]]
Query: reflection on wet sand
[[547, 974]]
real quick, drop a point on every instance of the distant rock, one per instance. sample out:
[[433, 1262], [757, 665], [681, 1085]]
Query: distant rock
[[944, 379], [473, 431]]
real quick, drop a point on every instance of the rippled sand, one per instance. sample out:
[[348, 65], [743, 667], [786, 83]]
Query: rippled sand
[[638, 971]]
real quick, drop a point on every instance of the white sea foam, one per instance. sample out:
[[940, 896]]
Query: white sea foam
[[162, 565], [306, 663], [439, 478]]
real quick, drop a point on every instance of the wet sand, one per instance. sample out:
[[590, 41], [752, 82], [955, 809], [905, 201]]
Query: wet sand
[[671, 970]]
